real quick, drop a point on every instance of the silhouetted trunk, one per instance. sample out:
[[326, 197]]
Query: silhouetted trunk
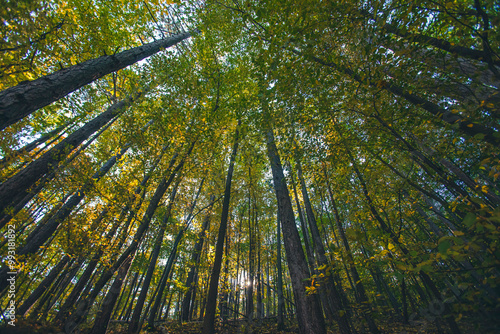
[[309, 313], [305, 233], [17, 187], [134, 322], [19, 101], [104, 314], [31, 146], [40, 289], [39, 237], [195, 259], [331, 286], [20, 202], [279, 282], [164, 277], [209, 319], [125, 304], [359, 287]]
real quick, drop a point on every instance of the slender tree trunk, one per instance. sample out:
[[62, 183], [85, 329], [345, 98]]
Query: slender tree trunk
[[4, 162], [163, 280], [132, 287], [134, 322], [309, 313], [20, 202], [332, 286], [195, 258], [279, 283], [35, 240], [48, 280], [104, 314], [20, 101], [310, 254], [17, 187], [360, 288], [209, 319]]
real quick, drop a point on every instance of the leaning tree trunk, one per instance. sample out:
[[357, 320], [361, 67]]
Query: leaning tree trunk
[[134, 322], [81, 309], [332, 285], [195, 259], [104, 314], [209, 319], [25, 98], [309, 313], [17, 187]]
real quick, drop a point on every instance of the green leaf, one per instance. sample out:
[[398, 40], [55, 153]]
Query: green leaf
[[469, 219], [443, 246]]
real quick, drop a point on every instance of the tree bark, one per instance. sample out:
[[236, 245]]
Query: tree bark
[[195, 259], [209, 319], [309, 313], [134, 322], [17, 187], [104, 314], [25, 98]]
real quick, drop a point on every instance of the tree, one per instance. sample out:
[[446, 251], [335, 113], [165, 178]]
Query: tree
[[382, 117]]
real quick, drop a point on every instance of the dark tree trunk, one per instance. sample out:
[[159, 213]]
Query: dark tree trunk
[[195, 258], [19, 101], [309, 313], [31, 146], [40, 289], [209, 319], [20, 202], [310, 255], [134, 322], [104, 314], [331, 287], [279, 283], [17, 187], [359, 287], [164, 278], [35, 240], [132, 286]]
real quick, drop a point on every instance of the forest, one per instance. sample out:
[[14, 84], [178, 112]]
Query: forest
[[245, 166]]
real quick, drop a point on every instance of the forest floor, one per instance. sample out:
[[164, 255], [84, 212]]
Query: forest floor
[[266, 326]]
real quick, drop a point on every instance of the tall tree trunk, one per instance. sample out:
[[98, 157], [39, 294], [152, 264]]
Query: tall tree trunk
[[19, 202], [40, 289], [132, 287], [310, 255], [163, 280], [134, 322], [309, 313], [4, 162], [82, 307], [195, 259], [20, 101], [360, 288], [209, 319], [35, 240], [279, 274], [332, 286], [104, 314], [17, 187]]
